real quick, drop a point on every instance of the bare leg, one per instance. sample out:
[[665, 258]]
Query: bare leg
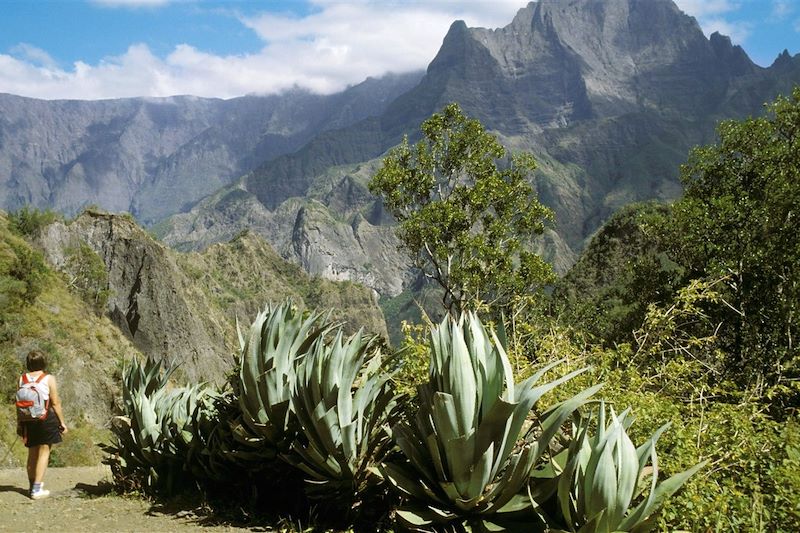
[[43, 457], [33, 457]]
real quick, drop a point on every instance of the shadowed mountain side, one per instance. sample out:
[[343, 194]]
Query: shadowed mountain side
[[609, 96], [155, 157], [183, 307]]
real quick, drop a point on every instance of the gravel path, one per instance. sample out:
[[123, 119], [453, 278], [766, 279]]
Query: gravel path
[[80, 502]]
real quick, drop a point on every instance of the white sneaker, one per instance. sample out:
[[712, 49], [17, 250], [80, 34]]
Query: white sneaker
[[40, 494]]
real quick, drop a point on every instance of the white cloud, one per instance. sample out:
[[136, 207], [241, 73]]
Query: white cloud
[[339, 44], [713, 15], [32, 54], [737, 31]]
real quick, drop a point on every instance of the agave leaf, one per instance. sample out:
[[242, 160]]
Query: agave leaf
[[398, 477], [342, 409], [462, 384], [409, 444], [444, 413], [520, 469], [459, 451], [422, 517], [662, 492], [495, 431], [645, 450], [627, 475]]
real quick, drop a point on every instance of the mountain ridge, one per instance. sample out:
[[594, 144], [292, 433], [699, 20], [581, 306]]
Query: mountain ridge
[[609, 97], [608, 124], [154, 157]]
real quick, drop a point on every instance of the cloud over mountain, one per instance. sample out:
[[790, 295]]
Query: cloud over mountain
[[324, 48]]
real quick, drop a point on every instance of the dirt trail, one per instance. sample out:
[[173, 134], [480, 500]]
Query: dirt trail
[[79, 502]]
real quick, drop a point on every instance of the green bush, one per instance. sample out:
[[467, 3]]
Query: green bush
[[474, 440], [29, 221]]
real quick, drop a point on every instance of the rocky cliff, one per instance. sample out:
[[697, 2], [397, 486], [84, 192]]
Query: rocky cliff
[[609, 96], [182, 308], [38, 310], [154, 157]]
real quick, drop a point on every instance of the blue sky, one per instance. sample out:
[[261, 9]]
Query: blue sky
[[114, 48]]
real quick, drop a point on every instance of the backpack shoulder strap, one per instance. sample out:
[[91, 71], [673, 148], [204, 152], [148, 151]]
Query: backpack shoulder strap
[[24, 379], [41, 377]]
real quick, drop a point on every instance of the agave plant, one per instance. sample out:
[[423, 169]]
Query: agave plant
[[143, 379], [215, 454], [153, 436], [277, 339], [469, 454], [604, 474], [345, 406]]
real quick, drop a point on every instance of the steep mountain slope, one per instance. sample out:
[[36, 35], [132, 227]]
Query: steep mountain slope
[[183, 307], [154, 157], [180, 308], [38, 310], [608, 95]]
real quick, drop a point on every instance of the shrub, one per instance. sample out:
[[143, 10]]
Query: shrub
[[29, 221]]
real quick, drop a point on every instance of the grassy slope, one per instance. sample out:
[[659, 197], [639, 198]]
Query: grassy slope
[[240, 277], [85, 352]]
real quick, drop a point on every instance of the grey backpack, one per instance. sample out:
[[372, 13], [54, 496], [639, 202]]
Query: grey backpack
[[30, 401]]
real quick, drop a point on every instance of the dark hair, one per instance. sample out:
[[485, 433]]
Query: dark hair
[[36, 361]]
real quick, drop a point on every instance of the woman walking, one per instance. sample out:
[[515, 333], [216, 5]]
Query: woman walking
[[40, 435]]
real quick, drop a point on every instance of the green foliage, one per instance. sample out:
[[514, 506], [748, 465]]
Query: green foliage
[[80, 446], [87, 275], [28, 222], [345, 406], [465, 221], [716, 275], [682, 339], [738, 221], [623, 270], [277, 338], [411, 360], [749, 484], [22, 275]]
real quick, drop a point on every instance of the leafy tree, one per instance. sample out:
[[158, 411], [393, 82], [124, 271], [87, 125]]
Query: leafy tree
[[466, 211], [624, 269], [738, 221]]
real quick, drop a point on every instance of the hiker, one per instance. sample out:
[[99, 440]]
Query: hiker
[[41, 433]]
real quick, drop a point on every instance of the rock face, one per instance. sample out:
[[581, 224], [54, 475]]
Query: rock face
[[150, 297], [609, 95], [337, 230], [182, 308], [154, 157], [85, 351]]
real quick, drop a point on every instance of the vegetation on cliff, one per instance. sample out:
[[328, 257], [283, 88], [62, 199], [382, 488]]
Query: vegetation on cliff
[[686, 313]]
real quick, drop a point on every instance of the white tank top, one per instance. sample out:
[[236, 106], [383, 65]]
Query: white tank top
[[43, 386]]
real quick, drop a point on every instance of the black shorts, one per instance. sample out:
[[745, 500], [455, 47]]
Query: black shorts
[[44, 431]]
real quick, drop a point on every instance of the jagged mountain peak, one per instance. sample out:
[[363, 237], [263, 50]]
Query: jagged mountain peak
[[578, 59]]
